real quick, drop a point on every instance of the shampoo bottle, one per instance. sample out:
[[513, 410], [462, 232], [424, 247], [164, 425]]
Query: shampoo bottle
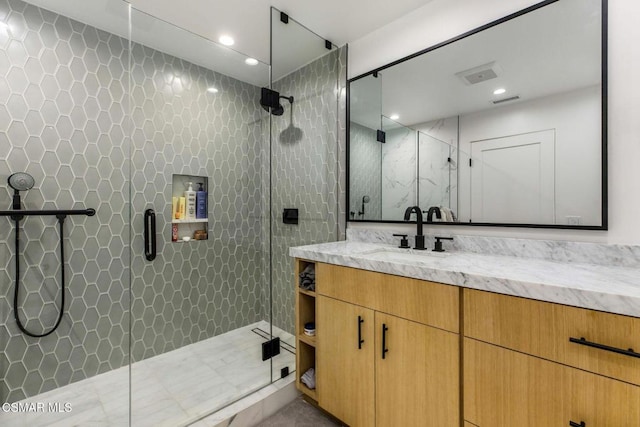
[[182, 207], [201, 202], [190, 197], [175, 209]]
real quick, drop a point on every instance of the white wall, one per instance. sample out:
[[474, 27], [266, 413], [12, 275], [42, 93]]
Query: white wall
[[443, 19]]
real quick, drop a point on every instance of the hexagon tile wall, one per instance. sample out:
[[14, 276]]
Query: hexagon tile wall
[[306, 151], [64, 103]]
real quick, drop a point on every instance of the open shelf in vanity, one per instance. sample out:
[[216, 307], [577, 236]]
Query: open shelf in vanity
[[305, 344]]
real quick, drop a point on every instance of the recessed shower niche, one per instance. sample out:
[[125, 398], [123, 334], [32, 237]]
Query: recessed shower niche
[[189, 212]]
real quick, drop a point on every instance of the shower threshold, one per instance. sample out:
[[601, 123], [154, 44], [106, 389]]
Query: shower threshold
[[170, 389]]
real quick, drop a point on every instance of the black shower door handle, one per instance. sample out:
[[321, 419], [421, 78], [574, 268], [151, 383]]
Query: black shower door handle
[[150, 234]]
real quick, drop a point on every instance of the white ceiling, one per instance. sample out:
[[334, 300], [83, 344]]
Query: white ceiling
[[202, 22], [552, 50], [247, 21]]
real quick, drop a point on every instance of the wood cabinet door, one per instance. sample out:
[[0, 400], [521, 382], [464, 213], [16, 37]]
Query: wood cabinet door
[[507, 388], [600, 401], [417, 381], [345, 361]]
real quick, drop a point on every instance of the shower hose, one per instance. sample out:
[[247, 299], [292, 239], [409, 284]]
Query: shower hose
[[61, 219]]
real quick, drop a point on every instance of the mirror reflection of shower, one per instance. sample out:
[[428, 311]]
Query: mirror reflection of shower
[[365, 199]]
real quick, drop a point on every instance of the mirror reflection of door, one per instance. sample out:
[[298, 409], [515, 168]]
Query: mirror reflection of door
[[513, 179]]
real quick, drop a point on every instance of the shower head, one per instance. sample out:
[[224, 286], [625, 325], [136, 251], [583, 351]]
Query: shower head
[[20, 181], [270, 101]]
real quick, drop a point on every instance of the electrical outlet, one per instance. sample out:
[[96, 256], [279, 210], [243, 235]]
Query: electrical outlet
[[573, 220]]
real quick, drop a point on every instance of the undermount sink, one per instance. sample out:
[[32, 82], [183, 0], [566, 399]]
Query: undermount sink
[[402, 255]]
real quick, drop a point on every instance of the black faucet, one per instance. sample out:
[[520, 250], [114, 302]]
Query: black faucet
[[419, 236], [431, 211]]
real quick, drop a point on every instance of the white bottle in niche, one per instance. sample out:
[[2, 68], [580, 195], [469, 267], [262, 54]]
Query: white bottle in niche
[[190, 195]]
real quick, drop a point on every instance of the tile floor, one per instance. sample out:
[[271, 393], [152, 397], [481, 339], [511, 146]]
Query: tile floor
[[171, 389], [299, 413]]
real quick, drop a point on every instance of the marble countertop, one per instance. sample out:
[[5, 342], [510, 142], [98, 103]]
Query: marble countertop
[[597, 287]]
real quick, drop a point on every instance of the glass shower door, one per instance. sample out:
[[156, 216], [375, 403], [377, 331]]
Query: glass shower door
[[437, 166], [200, 287], [306, 152]]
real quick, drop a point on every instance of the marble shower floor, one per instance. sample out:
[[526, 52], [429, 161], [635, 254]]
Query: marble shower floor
[[171, 389]]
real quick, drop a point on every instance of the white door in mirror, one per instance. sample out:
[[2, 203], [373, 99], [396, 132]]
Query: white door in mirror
[[513, 179]]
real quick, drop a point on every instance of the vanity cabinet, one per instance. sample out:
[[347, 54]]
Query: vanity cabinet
[[521, 366], [396, 351], [387, 350]]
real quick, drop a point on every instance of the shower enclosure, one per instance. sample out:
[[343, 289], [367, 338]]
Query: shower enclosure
[[112, 109]]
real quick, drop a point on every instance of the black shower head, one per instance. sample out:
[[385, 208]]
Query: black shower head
[[277, 111], [20, 181], [270, 101]]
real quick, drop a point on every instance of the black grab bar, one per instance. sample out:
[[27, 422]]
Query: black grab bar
[[54, 212], [150, 234]]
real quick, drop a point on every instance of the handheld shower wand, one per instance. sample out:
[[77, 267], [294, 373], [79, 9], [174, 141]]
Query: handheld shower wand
[[20, 181]]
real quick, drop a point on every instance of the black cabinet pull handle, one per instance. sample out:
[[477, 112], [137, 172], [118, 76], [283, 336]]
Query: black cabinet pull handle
[[384, 340], [583, 341], [360, 340], [150, 235], [574, 424]]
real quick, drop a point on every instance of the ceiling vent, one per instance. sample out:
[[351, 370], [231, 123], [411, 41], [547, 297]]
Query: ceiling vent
[[500, 101], [480, 74]]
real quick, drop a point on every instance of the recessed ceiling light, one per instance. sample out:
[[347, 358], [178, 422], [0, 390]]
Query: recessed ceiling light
[[212, 90], [226, 40], [251, 61], [499, 91], [394, 117]]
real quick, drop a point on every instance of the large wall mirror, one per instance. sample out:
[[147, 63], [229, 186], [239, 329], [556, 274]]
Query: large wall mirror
[[505, 125]]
